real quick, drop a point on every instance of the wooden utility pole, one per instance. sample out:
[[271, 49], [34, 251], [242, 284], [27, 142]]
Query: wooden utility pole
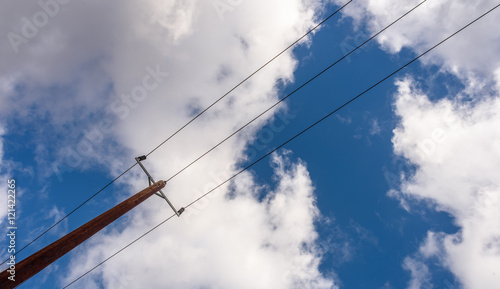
[[43, 258]]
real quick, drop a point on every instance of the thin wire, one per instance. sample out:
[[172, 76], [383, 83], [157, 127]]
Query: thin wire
[[117, 252], [294, 91], [244, 80], [70, 213], [185, 125], [297, 135]]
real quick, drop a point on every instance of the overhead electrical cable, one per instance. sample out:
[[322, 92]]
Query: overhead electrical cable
[[70, 213], [185, 125], [291, 139], [255, 72], [296, 90]]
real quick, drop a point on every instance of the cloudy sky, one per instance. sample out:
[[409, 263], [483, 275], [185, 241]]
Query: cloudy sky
[[399, 189]]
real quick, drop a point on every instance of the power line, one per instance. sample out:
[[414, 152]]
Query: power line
[[244, 80], [294, 137], [70, 213], [295, 90], [119, 251], [184, 126]]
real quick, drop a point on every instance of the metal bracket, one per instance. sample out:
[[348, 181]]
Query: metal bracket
[[159, 193]]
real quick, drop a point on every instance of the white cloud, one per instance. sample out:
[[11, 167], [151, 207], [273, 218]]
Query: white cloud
[[429, 24], [98, 64], [420, 277], [431, 246], [235, 239], [56, 214], [375, 127], [452, 144], [110, 81]]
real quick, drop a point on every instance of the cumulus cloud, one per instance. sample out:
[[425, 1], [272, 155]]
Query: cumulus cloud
[[93, 80], [420, 277], [451, 142], [453, 146], [429, 24], [105, 82], [238, 242]]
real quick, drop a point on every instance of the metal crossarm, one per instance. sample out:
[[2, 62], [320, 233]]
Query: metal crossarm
[[159, 193]]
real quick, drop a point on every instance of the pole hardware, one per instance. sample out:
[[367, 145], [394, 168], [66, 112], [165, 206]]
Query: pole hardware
[[35, 263], [159, 193]]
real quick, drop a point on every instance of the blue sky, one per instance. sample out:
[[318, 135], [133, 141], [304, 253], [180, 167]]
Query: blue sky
[[396, 190]]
